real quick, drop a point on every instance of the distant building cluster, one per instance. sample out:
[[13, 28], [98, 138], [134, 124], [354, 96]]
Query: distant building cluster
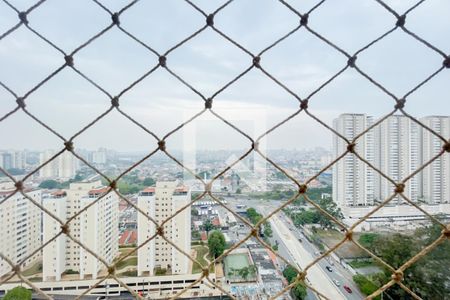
[[397, 147], [11, 159]]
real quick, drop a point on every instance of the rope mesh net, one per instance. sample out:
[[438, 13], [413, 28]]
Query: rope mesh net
[[255, 62]]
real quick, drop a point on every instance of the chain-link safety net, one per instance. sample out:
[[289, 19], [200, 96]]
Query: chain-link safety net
[[162, 61]]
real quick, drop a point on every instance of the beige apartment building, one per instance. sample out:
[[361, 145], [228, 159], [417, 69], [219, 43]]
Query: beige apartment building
[[96, 227], [20, 227], [160, 203]]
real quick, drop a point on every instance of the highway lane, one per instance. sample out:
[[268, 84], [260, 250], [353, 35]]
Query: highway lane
[[284, 252], [308, 250], [339, 273], [316, 275]]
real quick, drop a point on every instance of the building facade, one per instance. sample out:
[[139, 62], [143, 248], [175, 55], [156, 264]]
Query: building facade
[[397, 147], [20, 227], [353, 180], [397, 155], [436, 176], [160, 203], [56, 203], [63, 167], [97, 228]]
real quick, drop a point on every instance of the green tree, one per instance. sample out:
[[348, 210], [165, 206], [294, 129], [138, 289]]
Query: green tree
[[216, 243], [368, 239], [49, 184], [366, 286], [253, 215], [208, 226], [331, 207], [148, 181], [289, 273], [244, 272], [428, 277], [267, 230], [194, 211], [238, 191], [298, 291], [18, 293]]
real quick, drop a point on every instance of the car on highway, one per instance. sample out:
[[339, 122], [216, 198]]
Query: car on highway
[[336, 282], [329, 269], [348, 289]]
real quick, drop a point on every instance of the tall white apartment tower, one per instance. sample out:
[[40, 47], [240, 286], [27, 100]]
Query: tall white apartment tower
[[353, 180], [20, 226], [56, 203], [160, 203], [96, 227], [436, 176], [397, 155], [63, 167]]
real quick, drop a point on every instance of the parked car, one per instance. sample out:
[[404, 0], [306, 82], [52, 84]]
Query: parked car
[[300, 240], [348, 289], [336, 282], [329, 269]]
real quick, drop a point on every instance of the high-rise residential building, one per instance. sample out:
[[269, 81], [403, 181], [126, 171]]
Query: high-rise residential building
[[6, 160], [50, 170], [13, 159], [97, 228], [397, 155], [160, 203], [353, 180], [99, 157], [20, 226], [62, 167], [56, 203], [397, 147], [436, 176]]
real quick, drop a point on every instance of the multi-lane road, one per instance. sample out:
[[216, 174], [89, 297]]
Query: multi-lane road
[[331, 284]]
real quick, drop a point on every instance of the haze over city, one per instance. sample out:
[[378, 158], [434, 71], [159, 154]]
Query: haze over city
[[208, 62]]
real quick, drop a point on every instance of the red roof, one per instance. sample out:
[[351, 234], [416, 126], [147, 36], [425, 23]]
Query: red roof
[[148, 190], [204, 236], [216, 222], [58, 193], [99, 191], [124, 237], [182, 189], [128, 237], [133, 237]]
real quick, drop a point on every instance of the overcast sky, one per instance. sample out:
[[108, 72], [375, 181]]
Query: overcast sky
[[255, 103]]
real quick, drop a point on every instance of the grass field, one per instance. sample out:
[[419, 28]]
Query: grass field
[[346, 250], [362, 263], [132, 261], [125, 251], [201, 251], [34, 269]]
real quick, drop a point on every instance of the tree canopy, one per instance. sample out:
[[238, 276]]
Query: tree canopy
[[216, 243], [18, 293], [428, 277], [299, 290]]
